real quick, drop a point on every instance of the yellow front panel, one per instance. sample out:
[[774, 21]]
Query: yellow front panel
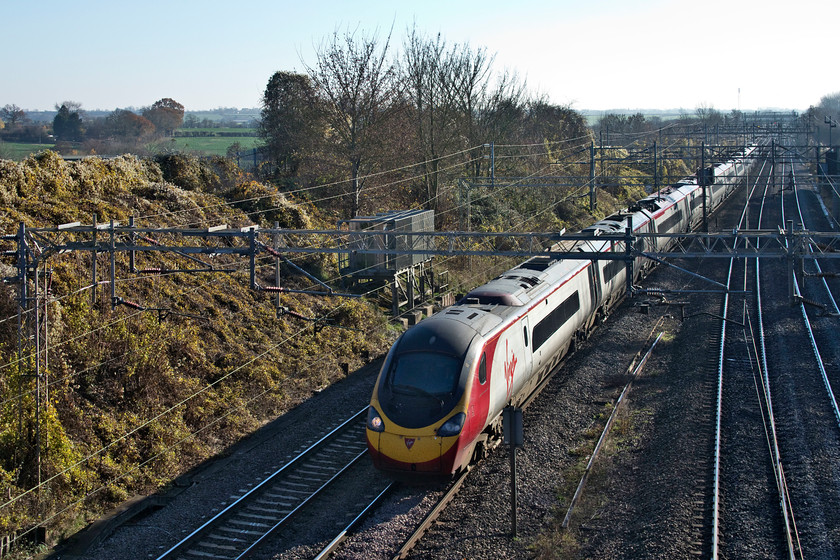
[[410, 449]]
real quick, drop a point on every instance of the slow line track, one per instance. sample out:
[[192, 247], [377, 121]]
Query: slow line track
[[751, 513], [278, 500], [775, 405], [809, 432]]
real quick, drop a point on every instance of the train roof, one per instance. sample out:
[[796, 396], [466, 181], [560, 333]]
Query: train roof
[[513, 291], [440, 333], [509, 294]]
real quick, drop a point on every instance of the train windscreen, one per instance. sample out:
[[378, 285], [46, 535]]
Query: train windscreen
[[436, 374], [420, 388]]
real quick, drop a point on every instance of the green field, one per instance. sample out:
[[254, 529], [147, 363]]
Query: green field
[[210, 146], [19, 151], [221, 130], [213, 145]]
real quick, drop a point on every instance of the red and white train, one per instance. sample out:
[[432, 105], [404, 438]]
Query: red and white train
[[444, 383]]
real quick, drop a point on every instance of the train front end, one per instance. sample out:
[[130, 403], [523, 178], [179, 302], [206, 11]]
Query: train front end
[[418, 411]]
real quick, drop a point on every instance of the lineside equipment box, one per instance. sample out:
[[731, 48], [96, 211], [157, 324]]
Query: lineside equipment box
[[376, 264]]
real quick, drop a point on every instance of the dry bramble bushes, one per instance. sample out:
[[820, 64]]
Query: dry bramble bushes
[[131, 398]]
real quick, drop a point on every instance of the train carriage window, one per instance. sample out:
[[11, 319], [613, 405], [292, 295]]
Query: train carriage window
[[554, 320], [482, 369], [612, 269], [525, 335], [671, 221]]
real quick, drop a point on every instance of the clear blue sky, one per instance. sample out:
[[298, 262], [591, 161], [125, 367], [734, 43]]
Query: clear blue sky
[[592, 54]]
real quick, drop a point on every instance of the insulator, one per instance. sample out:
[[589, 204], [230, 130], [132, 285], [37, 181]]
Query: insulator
[[272, 252], [132, 304], [151, 270], [149, 240], [273, 289]]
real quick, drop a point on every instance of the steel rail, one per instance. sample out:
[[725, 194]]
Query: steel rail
[[610, 421], [343, 534], [237, 503], [832, 399], [719, 407], [771, 433], [778, 468], [430, 517], [810, 245], [743, 221], [718, 417], [814, 347], [303, 503]]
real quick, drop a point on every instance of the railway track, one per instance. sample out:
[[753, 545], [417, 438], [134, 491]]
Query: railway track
[[748, 477], [806, 382], [818, 306], [290, 493], [777, 483], [295, 492]]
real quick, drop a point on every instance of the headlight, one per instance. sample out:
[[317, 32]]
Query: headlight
[[452, 427], [374, 421]]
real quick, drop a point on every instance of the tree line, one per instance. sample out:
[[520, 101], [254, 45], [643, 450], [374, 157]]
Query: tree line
[[122, 128], [363, 108], [825, 116]]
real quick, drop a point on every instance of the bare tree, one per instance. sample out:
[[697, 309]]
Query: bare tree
[[708, 115], [357, 86], [831, 103], [13, 115], [468, 80], [502, 110], [426, 74]]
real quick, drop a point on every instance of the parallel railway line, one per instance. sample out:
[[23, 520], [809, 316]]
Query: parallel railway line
[[750, 493], [275, 502], [779, 483], [809, 434]]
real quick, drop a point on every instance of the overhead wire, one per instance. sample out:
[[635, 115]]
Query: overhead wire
[[154, 418], [243, 406], [313, 187], [387, 184]]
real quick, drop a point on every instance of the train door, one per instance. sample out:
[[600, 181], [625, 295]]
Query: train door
[[640, 264], [480, 396], [595, 291], [526, 344]]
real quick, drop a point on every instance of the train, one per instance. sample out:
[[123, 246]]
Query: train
[[438, 399]]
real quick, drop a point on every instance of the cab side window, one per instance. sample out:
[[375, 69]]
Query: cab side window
[[482, 370]]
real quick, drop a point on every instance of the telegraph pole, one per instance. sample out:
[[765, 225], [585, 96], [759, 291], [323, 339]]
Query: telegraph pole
[[93, 280], [701, 178], [655, 170], [592, 200]]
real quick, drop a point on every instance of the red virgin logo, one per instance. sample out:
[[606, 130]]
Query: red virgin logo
[[510, 367]]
